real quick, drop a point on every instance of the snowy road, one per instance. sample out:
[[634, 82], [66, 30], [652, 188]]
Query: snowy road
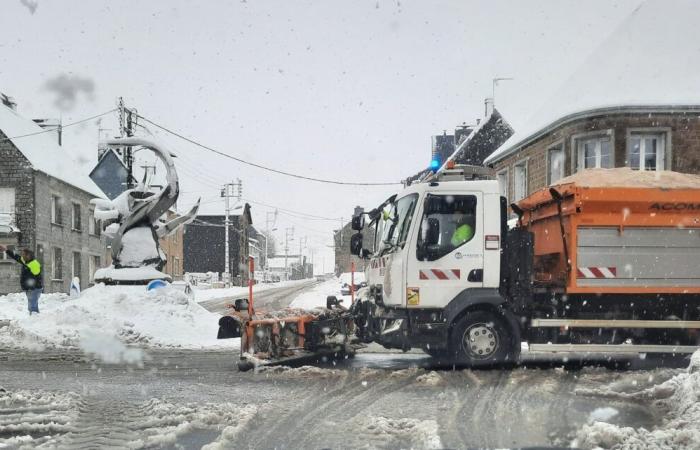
[[273, 298], [176, 398], [374, 400]]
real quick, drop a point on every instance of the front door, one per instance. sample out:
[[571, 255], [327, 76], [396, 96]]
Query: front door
[[452, 258]]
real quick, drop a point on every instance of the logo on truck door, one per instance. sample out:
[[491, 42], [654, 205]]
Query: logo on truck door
[[438, 274]]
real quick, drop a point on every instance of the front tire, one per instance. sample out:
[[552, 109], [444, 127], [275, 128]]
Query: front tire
[[483, 339]]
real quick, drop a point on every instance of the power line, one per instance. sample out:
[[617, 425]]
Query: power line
[[259, 166], [49, 130]]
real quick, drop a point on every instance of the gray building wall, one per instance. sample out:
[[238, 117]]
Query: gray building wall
[[33, 194], [17, 173], [50, 235]]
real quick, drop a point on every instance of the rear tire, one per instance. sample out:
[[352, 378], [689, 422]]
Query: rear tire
[[483, 339]]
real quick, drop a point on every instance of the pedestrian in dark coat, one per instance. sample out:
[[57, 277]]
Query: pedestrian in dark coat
[[30, 278]]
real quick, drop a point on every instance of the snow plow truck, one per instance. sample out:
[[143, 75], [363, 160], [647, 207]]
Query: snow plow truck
[[603, 261]]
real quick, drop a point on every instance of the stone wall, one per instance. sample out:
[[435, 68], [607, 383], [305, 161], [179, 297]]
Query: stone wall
[[682, 149], [17, 173], [51, 235]]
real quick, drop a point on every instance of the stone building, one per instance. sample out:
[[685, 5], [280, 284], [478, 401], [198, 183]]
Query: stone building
[[204, 244], [616, 110], [45, 201]]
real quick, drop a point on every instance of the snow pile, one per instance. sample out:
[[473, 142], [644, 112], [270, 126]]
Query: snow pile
[[400, 433], [108, 321], [301, 372], [678, 398], [430, 378]]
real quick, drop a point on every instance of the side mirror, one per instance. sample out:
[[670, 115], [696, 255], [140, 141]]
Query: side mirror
[[358, 222], [356, 244], [432, 232], [240, 304]]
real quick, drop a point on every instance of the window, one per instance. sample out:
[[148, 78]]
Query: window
[[3, 255], [93, 265], [399, 221], [7, 206], [502, 178], [594, 152], [77, 223], [56, 212], [520, 181], [93, 225], [452, 221], [647, 151], [76, 265], [555, 164], [57, 264]]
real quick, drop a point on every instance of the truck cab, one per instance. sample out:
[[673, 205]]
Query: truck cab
[[434, 257]]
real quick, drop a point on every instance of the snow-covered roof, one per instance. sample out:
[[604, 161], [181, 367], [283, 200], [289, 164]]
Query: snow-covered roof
[[652, 59], [468, 139], [43, 152]]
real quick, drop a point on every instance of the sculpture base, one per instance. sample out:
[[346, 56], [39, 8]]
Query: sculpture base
[[129, 275]]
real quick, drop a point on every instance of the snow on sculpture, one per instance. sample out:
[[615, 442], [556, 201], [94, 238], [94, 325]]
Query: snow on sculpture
[[134, 222]]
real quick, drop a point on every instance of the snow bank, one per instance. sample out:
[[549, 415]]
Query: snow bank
[[679, 400], [111, 322]]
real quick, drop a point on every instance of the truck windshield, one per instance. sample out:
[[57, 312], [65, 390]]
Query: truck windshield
[[398, 223]]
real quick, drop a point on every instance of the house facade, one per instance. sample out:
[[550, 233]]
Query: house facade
[[46, 199], [204, 245], [638, 137], [615, 109]]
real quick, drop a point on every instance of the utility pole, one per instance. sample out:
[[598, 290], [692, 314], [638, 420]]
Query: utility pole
[[127, 122], [270, 218], [232, 189], [288, 236]]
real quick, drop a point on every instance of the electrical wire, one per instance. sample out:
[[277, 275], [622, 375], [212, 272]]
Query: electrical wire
[[49, 130], [259, 166]]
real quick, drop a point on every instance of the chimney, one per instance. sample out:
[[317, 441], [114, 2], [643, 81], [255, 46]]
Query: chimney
[[488, 106], [8, 101], [53, 125]]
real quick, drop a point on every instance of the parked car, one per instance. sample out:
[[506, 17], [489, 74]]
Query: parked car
[[346, 279]]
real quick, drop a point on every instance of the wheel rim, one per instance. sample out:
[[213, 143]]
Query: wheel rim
[[480, 341]]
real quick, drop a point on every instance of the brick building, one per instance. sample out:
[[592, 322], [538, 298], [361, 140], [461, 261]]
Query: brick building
[[46, 200], [204, 244], [634, 102]]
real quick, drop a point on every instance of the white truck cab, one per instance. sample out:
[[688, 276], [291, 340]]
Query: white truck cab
[[434, 252]]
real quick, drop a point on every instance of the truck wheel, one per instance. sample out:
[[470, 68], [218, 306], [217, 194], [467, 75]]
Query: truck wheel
[[481, 339]]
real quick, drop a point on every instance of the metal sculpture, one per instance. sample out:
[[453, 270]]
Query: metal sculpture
[[134, 222]]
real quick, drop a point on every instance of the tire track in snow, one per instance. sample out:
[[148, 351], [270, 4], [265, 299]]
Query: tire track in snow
[[303, 424]]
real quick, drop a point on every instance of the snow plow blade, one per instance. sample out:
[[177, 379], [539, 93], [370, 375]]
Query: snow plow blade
[[291, 335]]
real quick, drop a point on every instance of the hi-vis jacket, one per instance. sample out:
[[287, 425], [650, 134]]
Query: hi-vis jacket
[[31, 277]]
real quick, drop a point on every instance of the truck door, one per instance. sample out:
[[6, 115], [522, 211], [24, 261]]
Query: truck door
[[448, 251], [394, 259]]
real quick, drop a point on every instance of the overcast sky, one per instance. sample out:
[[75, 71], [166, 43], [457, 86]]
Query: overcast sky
[[340, 90]]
